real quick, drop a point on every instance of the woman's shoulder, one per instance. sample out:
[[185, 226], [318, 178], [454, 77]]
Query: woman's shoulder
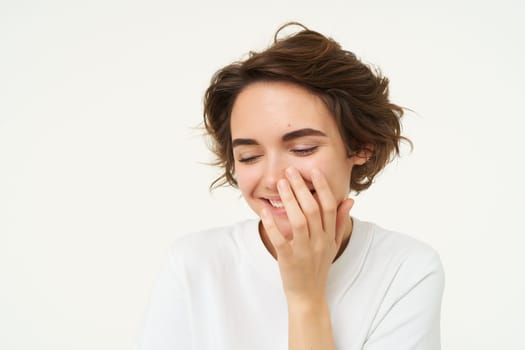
[[386, 242], [398, 252]]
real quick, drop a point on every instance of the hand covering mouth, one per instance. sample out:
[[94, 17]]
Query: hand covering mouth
[[277, 203]]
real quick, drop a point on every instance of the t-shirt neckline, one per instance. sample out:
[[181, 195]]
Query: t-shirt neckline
[[343, 272]]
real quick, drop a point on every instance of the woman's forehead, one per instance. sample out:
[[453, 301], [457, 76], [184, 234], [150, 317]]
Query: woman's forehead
[[279, 107]]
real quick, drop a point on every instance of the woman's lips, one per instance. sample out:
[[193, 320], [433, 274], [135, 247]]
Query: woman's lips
[[275, 206]]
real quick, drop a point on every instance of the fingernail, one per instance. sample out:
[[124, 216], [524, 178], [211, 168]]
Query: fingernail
[[282, 185], [291, 172]]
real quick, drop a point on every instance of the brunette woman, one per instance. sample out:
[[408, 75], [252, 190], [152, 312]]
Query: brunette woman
[[296, 128]]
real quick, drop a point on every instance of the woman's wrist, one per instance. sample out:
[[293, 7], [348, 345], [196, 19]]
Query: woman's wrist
[[310, 324], [306, 306]]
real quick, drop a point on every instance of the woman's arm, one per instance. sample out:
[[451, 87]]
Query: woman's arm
[[304, 261], [309, 326]]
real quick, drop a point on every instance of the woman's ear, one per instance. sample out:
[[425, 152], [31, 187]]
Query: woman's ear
[[362, 155]]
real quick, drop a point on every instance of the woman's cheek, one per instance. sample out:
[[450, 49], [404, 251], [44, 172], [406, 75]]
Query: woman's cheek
[[305, 169], [246, 178]]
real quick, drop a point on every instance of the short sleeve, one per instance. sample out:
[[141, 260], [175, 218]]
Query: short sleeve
[[409, 318], [166, 324]]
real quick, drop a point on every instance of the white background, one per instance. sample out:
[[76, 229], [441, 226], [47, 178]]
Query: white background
[[102, 166]]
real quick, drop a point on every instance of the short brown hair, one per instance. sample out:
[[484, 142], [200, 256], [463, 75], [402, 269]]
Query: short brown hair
[[355, 94]]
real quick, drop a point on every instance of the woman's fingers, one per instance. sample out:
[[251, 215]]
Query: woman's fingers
[[279, 242], [308, 217], [326, 200], [295, 216], [307, 203]]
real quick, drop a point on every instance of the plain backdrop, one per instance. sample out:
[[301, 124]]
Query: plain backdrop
[[103, 165]]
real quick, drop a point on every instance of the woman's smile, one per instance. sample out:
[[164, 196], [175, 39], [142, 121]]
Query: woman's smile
[[298, 131]]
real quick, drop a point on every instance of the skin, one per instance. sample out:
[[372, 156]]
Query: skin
[[288, 149]]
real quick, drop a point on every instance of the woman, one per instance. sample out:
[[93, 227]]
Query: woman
[[297, 127]]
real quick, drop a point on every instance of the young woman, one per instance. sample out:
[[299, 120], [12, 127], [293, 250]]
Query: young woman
[[296, 128]]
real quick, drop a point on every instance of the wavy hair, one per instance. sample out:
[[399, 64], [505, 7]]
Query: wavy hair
[[355, 94]]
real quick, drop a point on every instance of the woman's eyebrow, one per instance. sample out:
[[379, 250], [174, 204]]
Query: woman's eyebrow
[[286, 137], [239, 142], [302, 132]]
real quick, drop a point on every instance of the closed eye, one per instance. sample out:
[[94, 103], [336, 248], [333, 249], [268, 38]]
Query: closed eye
[[304, 151], [297, 151], [248, 159]]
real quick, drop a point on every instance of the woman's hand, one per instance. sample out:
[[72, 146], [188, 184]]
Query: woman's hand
[[304, 260], [318, 228]]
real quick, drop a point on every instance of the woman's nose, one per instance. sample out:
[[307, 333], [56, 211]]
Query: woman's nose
[[274, 170]]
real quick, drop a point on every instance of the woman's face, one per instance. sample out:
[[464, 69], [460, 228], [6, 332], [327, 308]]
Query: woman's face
[[276, 125]]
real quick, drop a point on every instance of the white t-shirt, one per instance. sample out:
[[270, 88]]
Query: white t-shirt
[[222, 290]]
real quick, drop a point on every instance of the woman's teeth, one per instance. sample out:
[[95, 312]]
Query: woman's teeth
[[279, 204], [276, 204]]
